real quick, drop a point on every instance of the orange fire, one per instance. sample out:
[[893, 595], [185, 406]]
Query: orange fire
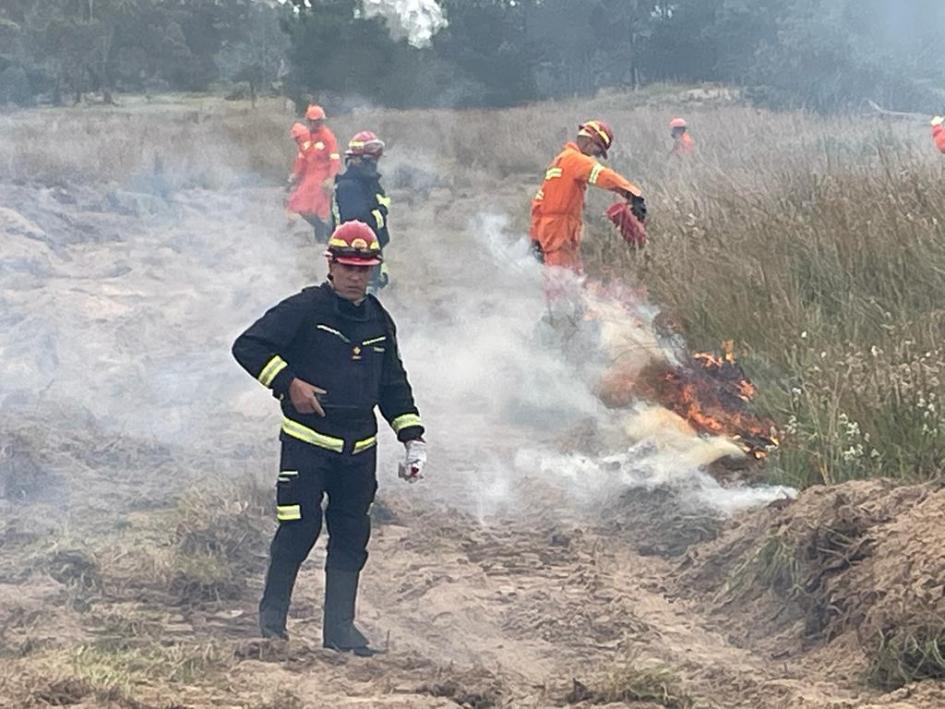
[[711, 392]]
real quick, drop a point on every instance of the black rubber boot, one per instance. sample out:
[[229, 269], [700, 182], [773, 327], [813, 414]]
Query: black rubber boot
[[338, 630], [274, 606]]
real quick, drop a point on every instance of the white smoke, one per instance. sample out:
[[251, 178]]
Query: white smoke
[[129, 319], [660, 450], [506, 405], [414, 20]]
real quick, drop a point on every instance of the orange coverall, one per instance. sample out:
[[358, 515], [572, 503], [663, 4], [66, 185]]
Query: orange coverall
[[684, 145], [557, 208], [318, 160], [938, 135]]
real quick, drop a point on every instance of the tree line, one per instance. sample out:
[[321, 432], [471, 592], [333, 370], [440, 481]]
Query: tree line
[[818, 54], [60, 50]]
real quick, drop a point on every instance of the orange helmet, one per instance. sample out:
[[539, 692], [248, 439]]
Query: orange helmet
[[599, 132], [354, 244], [299, 131], [314, 112], [678, 123], [365, 144]]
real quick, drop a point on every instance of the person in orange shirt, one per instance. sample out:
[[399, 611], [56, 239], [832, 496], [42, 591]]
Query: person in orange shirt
[[938, 132], [313, 175], [683, 144], [302, 192], [302, 138], [557, 209]]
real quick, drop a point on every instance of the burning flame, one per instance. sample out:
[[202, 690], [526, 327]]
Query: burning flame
[[711, 392], [712, 395]]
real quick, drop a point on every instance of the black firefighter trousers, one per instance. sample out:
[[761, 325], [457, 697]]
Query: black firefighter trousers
[[306, 475]]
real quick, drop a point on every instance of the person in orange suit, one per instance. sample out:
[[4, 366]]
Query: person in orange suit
[[300, 201], [683, 144], [938, 133], [313, 175], [302, 138], [557, 209]]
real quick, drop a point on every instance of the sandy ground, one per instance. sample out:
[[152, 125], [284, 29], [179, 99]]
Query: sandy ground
[[527, 570]]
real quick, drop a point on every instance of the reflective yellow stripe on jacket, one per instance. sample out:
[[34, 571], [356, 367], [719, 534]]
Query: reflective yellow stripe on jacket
[[313, 437], [309, 435], [272, 368], [364, 445], [405, 421]]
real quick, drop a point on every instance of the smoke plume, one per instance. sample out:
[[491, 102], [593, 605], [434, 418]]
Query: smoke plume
[[414, 20]]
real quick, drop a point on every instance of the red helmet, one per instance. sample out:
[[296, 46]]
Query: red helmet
[[678, 123], [599, 132], [299, 131], [365, 144], [354, 244], [314, 112]]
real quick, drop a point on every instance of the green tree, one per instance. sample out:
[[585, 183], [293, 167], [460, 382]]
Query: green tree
[[255, 51]]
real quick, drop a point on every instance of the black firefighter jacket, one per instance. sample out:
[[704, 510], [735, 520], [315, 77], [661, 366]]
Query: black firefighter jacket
[[359, 195], [349, 351]]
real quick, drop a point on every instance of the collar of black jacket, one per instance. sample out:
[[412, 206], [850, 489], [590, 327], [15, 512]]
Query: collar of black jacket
[[347, 309], [364, 171]]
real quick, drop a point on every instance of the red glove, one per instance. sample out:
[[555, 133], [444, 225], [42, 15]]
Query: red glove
[[631, 228]]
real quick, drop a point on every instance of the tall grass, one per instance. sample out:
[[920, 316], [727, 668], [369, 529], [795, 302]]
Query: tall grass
[[817, 244], [831, 280]]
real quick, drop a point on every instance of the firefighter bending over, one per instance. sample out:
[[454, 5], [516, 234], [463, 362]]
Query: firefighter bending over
[[557, 209], [329, 354], [359, 195]]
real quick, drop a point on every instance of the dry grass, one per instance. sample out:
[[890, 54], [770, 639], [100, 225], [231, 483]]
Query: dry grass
[[817, 244], [108, 667], [91, 675], [153, 147], [908, 654], [133, 598], [859, 561], [220, 540], [634, 681], [201, 551], [830, 285]]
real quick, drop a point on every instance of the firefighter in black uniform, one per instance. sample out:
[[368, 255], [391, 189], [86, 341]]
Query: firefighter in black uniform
[[329, 353], [359, 195]]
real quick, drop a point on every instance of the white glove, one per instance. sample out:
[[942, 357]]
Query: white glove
[[416, 457], [938, 120]]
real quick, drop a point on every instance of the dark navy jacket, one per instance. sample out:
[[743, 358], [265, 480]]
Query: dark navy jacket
[[349, 351], [359, 195]]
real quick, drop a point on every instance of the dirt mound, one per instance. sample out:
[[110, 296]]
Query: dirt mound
[[856, 561], [896, 597]]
